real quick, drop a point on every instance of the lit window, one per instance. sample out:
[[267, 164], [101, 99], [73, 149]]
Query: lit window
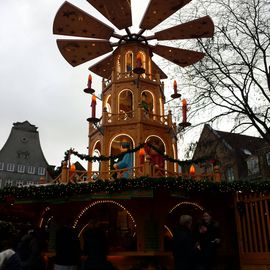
[[21, 168], [10, 167], [31, 170], [1, 166], [229, 174], [268, 158], [129, 61], [41, 171], [253, 165]]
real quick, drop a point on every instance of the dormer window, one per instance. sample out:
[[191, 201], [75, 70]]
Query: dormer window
[[21, 168], [41, 171], [10, 167], [253, 165], [31, 170]]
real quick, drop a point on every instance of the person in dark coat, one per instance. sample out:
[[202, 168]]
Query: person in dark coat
[[67, 249], [209, 239], [184, 246], [95, 249], [30, 250], [9, 259]]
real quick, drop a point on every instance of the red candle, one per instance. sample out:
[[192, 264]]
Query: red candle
[[175, 86], [141, 155], [139, 61], [184, 110], [93, 105], [89, 84]]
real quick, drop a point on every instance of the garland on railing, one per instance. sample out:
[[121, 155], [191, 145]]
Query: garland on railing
[[133, 150], [53, 192]]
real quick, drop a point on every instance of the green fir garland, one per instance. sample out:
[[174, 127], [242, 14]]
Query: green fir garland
[[10, 195], [133, 150]]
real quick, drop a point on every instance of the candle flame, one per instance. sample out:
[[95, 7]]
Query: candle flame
[[142, 152], [184, 102], [90, 78], [192, 170], [94, 98], [72, 168]]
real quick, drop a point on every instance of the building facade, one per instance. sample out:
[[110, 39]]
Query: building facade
[[22, 161], [239, 157]]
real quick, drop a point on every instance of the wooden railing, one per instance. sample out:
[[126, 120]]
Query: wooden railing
[[253, 226], [139, 114], [122, 116], [145, 169]]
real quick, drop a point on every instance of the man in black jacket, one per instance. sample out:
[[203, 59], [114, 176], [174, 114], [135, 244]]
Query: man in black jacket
[[184, 246]]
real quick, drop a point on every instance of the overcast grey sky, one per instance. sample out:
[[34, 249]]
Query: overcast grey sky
[[37, 84]]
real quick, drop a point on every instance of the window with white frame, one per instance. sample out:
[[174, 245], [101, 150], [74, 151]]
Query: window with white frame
[[253, 165], [10, 167], [230, 174], [2, 166], [31, 169], [41, 171], [21, 168], [268, 158]]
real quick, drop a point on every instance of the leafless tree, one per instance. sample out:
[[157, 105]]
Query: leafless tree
[[232, 82]]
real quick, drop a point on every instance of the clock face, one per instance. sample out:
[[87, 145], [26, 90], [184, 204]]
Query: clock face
[[24, 139]]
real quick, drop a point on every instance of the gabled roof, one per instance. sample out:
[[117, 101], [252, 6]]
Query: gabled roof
[[26, 126], [240, 143], [23, 146], [79, 166]]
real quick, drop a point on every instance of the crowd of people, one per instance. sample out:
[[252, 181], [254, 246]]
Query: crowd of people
[[26, 251], [195, 245], [21, 253]]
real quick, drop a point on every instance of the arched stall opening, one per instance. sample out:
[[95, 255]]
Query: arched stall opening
[[111, 221], [172, 221]]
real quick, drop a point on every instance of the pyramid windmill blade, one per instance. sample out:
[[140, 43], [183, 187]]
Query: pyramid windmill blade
[[159, 10], [178, 56], [72, 21], [118, 12], [199, 28], [104, 67], [157, 70], [77, 51]]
